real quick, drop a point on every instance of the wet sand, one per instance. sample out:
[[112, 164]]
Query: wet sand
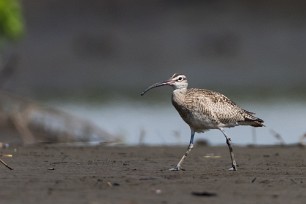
[[131, 175]]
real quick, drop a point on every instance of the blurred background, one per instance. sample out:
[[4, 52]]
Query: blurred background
[[86, 62]]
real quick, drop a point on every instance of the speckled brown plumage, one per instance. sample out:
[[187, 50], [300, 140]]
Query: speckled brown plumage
[[204, 109]]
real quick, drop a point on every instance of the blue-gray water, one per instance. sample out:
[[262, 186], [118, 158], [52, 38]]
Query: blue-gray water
[[161, 125]]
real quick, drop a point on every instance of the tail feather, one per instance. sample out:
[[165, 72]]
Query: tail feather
[[251, 120], [257, 123]]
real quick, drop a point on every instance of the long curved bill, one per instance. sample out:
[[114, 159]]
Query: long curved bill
[[154, 86]]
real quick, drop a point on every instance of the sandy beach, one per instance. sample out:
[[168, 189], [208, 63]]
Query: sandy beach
[[131, 175]]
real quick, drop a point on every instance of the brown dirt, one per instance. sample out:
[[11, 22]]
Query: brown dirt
[[131, 175]]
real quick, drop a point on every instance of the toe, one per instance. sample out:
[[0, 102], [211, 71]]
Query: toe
[[177, 168]]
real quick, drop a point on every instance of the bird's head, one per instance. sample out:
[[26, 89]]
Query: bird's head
[[177, 81]]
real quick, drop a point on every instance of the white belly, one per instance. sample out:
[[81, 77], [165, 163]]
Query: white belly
[[200, 122]]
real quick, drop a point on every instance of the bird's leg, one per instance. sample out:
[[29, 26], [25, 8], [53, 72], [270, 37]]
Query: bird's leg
[[228, 142], [190, 146]]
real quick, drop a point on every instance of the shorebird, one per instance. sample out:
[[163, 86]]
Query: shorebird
[[203, 110]]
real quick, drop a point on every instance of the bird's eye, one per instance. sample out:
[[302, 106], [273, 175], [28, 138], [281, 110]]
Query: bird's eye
[[180, 78]]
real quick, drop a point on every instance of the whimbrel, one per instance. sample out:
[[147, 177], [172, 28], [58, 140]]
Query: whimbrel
[[203, 110]]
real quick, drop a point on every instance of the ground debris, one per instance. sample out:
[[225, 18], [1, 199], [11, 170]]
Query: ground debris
[[5, 164], [203, 193]]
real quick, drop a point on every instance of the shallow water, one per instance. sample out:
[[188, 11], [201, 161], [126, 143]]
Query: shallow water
[[161, 125]]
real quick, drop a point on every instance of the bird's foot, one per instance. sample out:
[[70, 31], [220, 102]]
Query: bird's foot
[[233, 168], [177, 168]]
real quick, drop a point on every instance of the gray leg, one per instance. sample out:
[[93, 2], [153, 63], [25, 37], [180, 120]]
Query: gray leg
[[228, 142], [190, 146]]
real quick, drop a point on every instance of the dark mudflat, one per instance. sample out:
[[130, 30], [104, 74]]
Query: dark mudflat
[[131, 175]]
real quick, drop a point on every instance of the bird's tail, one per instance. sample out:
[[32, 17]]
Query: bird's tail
[[251, 120]]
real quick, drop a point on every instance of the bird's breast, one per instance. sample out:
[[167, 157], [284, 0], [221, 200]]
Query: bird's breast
[[196, 119]]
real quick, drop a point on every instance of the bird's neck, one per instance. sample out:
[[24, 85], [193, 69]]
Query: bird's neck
[[178, 95]]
